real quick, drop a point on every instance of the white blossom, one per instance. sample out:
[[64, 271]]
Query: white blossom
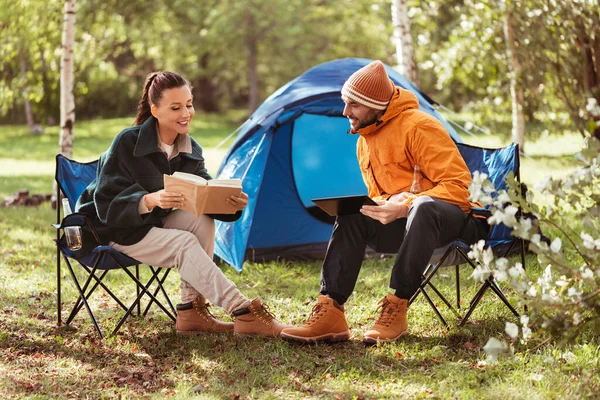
[[556, 244], [592, 107], [573, 293], [494, 348], [532, 291], [576, 318], [526, 332], [587, 274], [480, 273], [523, 228], [496, 218], [501, 276], [488, 256], [512, 330], [516, 271], [502, 197], [589, 242], [562, 281]]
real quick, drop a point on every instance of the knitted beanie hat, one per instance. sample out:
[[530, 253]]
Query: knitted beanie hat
[[370, 86]]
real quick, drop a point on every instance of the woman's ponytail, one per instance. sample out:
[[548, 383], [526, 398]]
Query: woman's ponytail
[[143, 109]]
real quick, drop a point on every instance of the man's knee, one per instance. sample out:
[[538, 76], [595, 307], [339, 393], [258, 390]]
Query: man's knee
[[420, 206]]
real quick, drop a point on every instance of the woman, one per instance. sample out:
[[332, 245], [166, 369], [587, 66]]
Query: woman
[[134, 214]]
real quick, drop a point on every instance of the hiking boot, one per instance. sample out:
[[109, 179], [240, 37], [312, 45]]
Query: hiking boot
[[195, 318], [326, 323], [391, 323], [256, 319]]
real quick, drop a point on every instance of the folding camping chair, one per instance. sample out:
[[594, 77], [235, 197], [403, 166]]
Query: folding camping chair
[[94, 258], [497, 164]]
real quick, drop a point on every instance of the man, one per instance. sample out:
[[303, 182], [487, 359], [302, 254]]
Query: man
[[394, 137]]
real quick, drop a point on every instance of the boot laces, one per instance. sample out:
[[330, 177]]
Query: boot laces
[[264, 314], [317, 312], [388, 313], [203, 311]]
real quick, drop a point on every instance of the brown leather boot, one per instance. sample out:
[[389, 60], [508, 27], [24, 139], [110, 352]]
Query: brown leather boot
[[195, 318], [326, 323], [391, 323], [256, 319]]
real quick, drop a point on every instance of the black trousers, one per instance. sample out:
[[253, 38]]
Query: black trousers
[[431, 223]]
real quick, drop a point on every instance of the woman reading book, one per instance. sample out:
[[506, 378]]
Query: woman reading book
[[135, 215]]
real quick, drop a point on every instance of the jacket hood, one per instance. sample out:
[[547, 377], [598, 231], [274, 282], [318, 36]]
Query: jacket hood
[[401, 101]]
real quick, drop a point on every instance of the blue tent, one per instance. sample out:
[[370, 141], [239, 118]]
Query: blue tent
[[295, 147]]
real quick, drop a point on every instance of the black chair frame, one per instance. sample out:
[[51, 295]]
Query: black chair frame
[[489, 283], [97, 273]]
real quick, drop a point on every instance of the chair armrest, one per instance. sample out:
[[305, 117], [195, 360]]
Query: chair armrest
[[81, 220], [480, 211]]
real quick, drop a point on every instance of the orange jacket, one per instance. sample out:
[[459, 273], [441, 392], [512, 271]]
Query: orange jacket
[[388, 150]]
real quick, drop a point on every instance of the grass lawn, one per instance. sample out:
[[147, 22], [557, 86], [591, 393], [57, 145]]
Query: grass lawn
[[148, 360]]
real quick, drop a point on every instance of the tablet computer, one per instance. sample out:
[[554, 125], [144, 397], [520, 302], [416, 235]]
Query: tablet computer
[[344, 205]]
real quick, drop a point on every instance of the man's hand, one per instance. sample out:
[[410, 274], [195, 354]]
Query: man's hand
[[386, 211], [163, 199], [238, 202]]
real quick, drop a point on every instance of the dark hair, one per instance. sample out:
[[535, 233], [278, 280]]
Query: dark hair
[[156, 83]]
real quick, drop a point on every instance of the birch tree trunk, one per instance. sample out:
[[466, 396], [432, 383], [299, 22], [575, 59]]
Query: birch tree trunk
[[405, 53], [516, 92], [67, 99], [252, 48]]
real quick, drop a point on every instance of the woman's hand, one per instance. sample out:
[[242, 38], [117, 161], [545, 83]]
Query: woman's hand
[[163, 200], [386, 211], [239, 202]]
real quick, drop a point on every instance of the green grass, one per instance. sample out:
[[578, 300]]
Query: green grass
[[148, 360]]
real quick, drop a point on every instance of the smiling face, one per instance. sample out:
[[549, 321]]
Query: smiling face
[[174, 112], [359, 115]]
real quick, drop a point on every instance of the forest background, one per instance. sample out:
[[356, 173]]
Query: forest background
[[236, 53]]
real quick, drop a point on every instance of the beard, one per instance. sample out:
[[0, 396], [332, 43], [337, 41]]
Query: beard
[[369, 119]]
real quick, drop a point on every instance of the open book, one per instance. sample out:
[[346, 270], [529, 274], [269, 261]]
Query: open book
[[202, 196]]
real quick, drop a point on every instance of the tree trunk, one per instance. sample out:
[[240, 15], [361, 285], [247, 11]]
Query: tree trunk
[[516, 91], [67, 100], [252, 47], [405, 53], [33, 127]]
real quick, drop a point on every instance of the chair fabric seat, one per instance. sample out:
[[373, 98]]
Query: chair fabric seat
[[113, 259]]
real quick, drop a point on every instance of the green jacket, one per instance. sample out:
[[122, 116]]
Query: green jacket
[[132, 167]]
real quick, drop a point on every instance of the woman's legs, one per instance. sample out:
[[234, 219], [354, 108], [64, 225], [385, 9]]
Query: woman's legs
[[186, 242]]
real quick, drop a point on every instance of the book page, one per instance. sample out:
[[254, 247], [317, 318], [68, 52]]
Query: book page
[[225, 182], [190, 177]]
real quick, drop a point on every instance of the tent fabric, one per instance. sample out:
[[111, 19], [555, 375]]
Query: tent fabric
[[296, 147]]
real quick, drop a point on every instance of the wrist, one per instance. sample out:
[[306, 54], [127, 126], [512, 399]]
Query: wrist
[[148, 201]]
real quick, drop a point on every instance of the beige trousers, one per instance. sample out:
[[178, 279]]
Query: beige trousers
[[186, 242]]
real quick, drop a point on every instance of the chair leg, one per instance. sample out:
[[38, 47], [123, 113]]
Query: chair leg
[[83, 298], [458, 286], [496, 289], [441, 296], [79, 303], [474, 302], [144, 289], [58, 287], [98, 280], [137, 288], [160, 287], [434, 307]]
